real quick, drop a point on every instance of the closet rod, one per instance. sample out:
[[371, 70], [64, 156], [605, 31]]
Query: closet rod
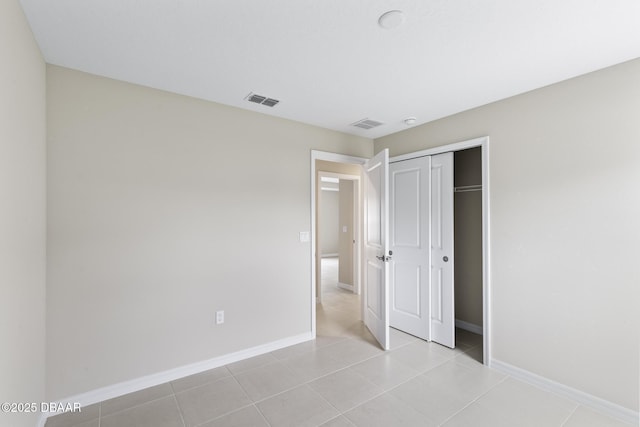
[[467, 188]]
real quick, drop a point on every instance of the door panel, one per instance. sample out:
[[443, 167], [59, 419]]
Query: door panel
[[376, 274], [406, 298], [410, 244], [442, 280]]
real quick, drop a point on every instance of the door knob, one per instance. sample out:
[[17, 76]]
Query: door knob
[[445, 258]]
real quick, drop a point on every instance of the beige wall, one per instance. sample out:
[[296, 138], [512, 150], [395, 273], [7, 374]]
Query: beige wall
[[346, 245], [564, 174], [468, 237], [328, 222], [163, 209], [22, 215]]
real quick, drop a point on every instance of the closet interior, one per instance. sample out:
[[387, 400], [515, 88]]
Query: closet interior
[[468, 239]]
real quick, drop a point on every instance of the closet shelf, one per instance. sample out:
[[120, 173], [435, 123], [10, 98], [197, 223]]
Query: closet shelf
[[467, 188]]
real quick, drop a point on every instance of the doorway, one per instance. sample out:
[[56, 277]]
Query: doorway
[[337, 226], [483, 143], [340, 175]]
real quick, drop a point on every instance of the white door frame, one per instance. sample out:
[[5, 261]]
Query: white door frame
[[355, 232], [482, 142], [337, 158]]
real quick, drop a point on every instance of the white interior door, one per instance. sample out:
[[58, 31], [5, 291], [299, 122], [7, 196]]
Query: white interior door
[[442, 280], [376, 273], [409, 201]]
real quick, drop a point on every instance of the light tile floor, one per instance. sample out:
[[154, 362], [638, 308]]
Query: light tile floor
[[343, 379]]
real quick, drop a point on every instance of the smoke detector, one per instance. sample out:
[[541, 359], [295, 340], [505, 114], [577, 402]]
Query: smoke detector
[[391, 19]]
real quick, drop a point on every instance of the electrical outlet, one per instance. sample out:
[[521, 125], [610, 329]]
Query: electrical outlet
[[219, 317]]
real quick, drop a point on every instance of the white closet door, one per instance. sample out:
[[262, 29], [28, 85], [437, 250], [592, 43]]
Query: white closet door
[[442, 280], [376, 225], [409, 241]]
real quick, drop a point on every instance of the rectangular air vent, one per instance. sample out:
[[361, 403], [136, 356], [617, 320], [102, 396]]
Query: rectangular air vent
[[263, 100], [366, 124]]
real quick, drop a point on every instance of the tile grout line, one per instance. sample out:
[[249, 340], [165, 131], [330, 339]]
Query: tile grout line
[[134, 406], [199, 385], [175, 399], [390, 389], [231, 374], [261, 414], [224, 415], [350, 366], [570, 415], [236, 409], [473, 401]]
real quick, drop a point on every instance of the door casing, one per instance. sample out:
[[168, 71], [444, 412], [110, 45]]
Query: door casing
[[482, 142]]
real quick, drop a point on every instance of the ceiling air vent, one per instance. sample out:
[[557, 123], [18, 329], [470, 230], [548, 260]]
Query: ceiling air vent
[[366, 124], [259, 99]]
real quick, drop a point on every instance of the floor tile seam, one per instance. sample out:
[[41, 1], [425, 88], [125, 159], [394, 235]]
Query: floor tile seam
[[403, 382], [134, 406], [304, 353], [175, 399], [261, 414], [334, 407], [361, 403], [570, 415], [387, 391], [422, 372], [246, 393], [307, 383], [371, 382], [458, 367], [382, 391], [401, 346], [344, 417], [474, 401], [370, 358], [544, 390], [223, 415], [293, 388], [343, 339], [253, 369], [340, 369], [553, 393]]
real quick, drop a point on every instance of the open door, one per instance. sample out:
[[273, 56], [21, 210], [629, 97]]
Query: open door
[[376, 251], [442, 292], [409, 203]]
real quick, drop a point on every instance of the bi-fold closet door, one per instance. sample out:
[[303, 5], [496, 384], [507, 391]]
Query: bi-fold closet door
[[421, 282]]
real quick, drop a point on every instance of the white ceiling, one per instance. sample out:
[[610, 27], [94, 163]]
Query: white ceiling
[[328, 61]]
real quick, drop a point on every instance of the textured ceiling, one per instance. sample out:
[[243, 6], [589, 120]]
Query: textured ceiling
[[328, 61]]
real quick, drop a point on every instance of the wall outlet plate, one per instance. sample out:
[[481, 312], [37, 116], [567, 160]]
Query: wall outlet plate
[[219, 317]]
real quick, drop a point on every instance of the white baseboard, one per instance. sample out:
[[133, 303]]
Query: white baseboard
[[469, 327], [609, 408], [120, 389], [345, 286]]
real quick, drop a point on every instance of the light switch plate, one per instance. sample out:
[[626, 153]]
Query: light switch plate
[[304, 236], [344, 228]]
